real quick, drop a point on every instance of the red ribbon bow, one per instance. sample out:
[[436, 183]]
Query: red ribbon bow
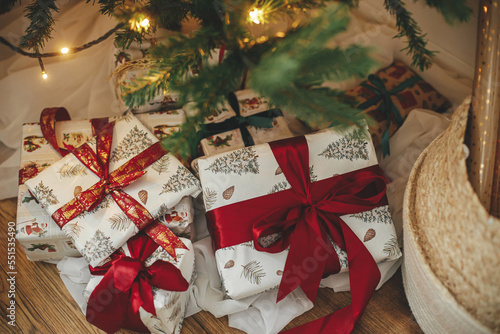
[[126, 286], [307, 216]]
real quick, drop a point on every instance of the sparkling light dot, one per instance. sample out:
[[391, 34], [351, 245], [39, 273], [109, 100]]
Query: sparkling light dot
[[44, 75], [255, 14], [64, 51], [145, 23]]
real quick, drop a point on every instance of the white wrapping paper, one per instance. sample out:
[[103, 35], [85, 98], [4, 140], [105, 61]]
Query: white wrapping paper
[[36, 232], [98, 233], [239, 175]]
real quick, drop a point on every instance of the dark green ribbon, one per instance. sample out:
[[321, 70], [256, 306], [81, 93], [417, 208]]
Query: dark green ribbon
[[262, 120], [386, 106]]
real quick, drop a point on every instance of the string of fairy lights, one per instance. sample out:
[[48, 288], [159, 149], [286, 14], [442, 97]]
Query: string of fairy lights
[[144, 24], [139, 24]]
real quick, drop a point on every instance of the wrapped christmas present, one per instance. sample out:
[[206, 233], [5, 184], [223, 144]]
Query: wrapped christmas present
[[37, 233], [245, 120], [389, 95], [287, 213], [108, 189], [149, 294]]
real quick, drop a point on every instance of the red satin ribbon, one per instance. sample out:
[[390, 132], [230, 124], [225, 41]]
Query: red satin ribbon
[[307, 216], [126, 286]]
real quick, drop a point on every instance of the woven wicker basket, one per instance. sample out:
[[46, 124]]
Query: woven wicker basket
[[451, 269]]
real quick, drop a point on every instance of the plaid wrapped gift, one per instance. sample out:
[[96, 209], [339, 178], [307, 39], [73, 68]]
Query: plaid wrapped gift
[[389, 95]]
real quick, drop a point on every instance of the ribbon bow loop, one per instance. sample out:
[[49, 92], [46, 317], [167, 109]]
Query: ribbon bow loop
[[130, 282], [315, 218]]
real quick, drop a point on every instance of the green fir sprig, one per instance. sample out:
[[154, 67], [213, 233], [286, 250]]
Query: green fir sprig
[[39, 12]]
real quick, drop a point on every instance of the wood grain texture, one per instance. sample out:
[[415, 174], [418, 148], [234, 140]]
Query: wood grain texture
[[43, 305]]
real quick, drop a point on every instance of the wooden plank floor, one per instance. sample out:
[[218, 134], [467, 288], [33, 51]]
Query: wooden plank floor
[[43, 305]]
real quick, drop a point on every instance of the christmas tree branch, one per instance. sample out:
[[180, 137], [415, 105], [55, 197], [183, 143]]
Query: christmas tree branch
[[452, 10], [417, 44], [39, 12]]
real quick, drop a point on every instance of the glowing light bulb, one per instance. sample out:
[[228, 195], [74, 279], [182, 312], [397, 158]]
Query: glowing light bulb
[[255, 15], [64, 51], [44, 75], [144, 23]]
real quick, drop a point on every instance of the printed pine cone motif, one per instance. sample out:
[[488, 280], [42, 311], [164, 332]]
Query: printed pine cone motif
[[370, 234], [143, 196], [228, 193], [229, 264], [278, 171], [279, 272], [78, 190]]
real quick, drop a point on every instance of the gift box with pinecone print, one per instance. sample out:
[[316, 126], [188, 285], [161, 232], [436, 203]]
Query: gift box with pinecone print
[[250, 195], [101, 227], [36, 232]]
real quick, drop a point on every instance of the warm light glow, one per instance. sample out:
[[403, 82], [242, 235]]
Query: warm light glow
[[280, 34], [255, 15], [44, 75], [64, 51], [145, 23]]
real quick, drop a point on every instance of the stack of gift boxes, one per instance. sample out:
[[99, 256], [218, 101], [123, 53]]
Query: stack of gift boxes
[[283, 212]]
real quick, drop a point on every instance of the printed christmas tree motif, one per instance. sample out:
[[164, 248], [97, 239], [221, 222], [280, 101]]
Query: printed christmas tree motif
[[161, 165], [223, 285], [45, 195], [68, 170], [342, 256], [119, 221], [209, 198], [313, 177], [351, 147], [391, 247], [105, 203], [162, 210], [220, 142], [174, 299], [28, 198], [72, 230], [134, 143], [378, 215], [98, 247], [176, 313], [238, 162], [248, 244], [269, 239], [279, 187], [253, 272], [50, 248], [181, 180]]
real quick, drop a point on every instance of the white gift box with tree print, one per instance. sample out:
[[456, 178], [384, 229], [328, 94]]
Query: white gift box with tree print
[[252, 172], [98, 233]]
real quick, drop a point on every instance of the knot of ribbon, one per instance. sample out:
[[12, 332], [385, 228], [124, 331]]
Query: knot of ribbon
[[110, 183], [386, 106], [126, 286], [262, 120]]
